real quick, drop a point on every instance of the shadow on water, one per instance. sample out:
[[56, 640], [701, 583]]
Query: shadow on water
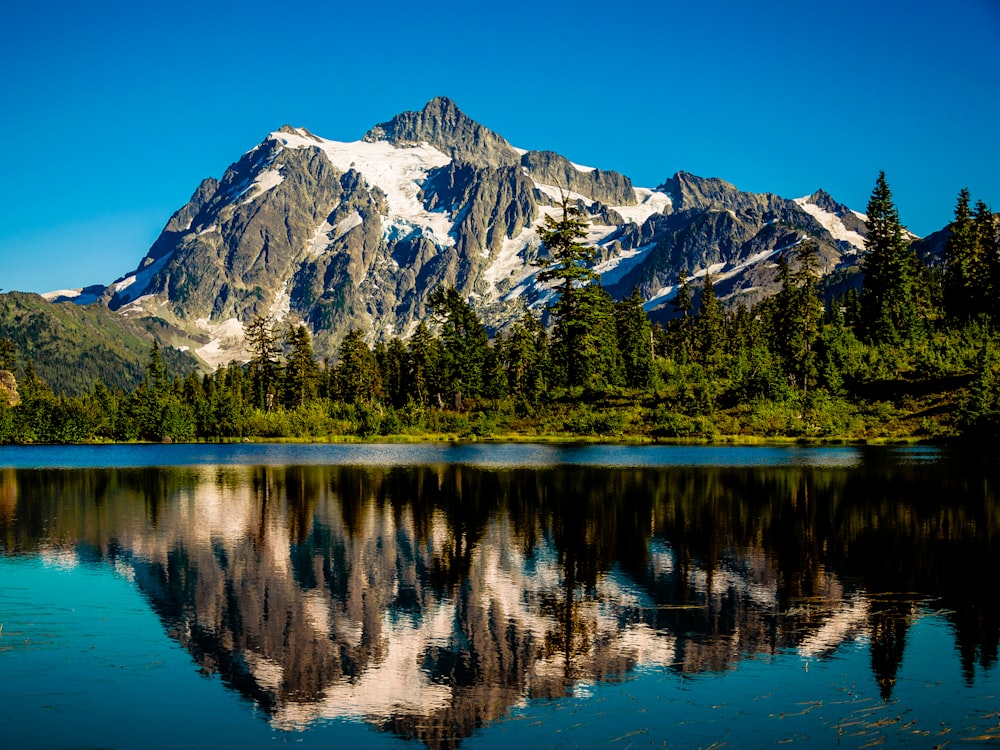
[[430, 600]]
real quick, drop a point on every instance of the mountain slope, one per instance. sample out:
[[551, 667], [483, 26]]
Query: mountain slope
[[73, 346], [342, 235]]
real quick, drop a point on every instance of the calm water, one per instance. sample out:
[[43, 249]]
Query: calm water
[[481, 596]]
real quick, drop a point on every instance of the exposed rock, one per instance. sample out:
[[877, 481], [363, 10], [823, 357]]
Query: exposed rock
[[443, 125], [343, 235], [8, 389], [552, 169]]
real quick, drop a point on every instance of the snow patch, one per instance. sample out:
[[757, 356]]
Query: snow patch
[[650, 202], [666, 293], [62, 294], [225, 344], [265, 181], [133, 286], [831, 223], [282, 304], [137, 306], [398, 172], [557, 194], [509, 263], [320, 240], [614, 269], [348, 223]]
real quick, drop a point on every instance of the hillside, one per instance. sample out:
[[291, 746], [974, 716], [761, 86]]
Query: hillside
[[73, 346]]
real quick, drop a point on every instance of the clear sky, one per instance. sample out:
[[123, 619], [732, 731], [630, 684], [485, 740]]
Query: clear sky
[[114, 111]]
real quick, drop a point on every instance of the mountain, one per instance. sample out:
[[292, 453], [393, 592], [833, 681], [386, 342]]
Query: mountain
[[74, 346], [357, 234]]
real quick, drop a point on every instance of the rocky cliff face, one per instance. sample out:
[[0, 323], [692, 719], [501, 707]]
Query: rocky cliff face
[[8, 389], [358, 234]]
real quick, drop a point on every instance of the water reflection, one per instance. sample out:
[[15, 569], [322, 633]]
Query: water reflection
[[429, 600]]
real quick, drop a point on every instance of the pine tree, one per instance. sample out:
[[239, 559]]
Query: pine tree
[[229, 402], [525, 355], [598, 360], [262, 342], [357, 372], [569, 263], [464, 345], [391, 361], [635, 341], [988, 241], [966, 277], [301, 371], [709, 333], [797, 316], [422, 356], [33, 416], [143, 408], [8, 355], [888, 297]]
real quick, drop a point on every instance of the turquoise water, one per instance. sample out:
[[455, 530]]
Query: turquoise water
[[490, 596], [482, 454]]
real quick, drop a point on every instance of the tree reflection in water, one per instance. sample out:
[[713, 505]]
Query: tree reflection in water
[[430, 600]]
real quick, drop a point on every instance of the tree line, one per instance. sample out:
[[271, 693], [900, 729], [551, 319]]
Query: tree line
[[915, 347]]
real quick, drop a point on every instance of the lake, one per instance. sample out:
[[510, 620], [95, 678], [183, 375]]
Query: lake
[[480, 596]]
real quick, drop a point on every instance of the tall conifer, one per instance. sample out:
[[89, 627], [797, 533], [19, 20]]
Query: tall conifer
[[889, 295]]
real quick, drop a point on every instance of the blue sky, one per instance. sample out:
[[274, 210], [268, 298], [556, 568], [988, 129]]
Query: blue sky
[[115, 111]]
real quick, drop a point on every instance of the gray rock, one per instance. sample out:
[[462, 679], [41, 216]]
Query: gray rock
[[285, 231], [443, 125], [552, 169]]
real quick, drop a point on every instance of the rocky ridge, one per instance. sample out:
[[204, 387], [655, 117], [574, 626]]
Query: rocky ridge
[[342, 235]]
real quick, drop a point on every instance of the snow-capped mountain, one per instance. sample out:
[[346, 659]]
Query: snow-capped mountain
[[357, 234]]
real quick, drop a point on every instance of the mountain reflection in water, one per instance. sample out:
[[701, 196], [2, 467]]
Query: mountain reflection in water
[[429, 600]]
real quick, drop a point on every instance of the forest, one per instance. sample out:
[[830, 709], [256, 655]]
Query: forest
[[910, 355]]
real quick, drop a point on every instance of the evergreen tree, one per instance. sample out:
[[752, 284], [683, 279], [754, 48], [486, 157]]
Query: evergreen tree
[[494, 377], [635, 341], [889, 295], [979, 416], [989, 248], [8, 355], [569, 264], [598, 360], [262, 342], [391, 361], [709, 331], [156, 372], [464, 345], [143, 408], [197, 392], [106, 407], [301, 371], [422, 355], [797, 316], [682, 326], [966, 277], [229, 402], [33, 417], [525, 356], [357, 372]]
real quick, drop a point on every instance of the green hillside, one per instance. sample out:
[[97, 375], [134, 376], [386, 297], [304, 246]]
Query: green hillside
[[73, 346]]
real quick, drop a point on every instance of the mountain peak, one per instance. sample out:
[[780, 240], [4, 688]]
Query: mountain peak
[[825, 201], [690, 191], [443, 125]]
